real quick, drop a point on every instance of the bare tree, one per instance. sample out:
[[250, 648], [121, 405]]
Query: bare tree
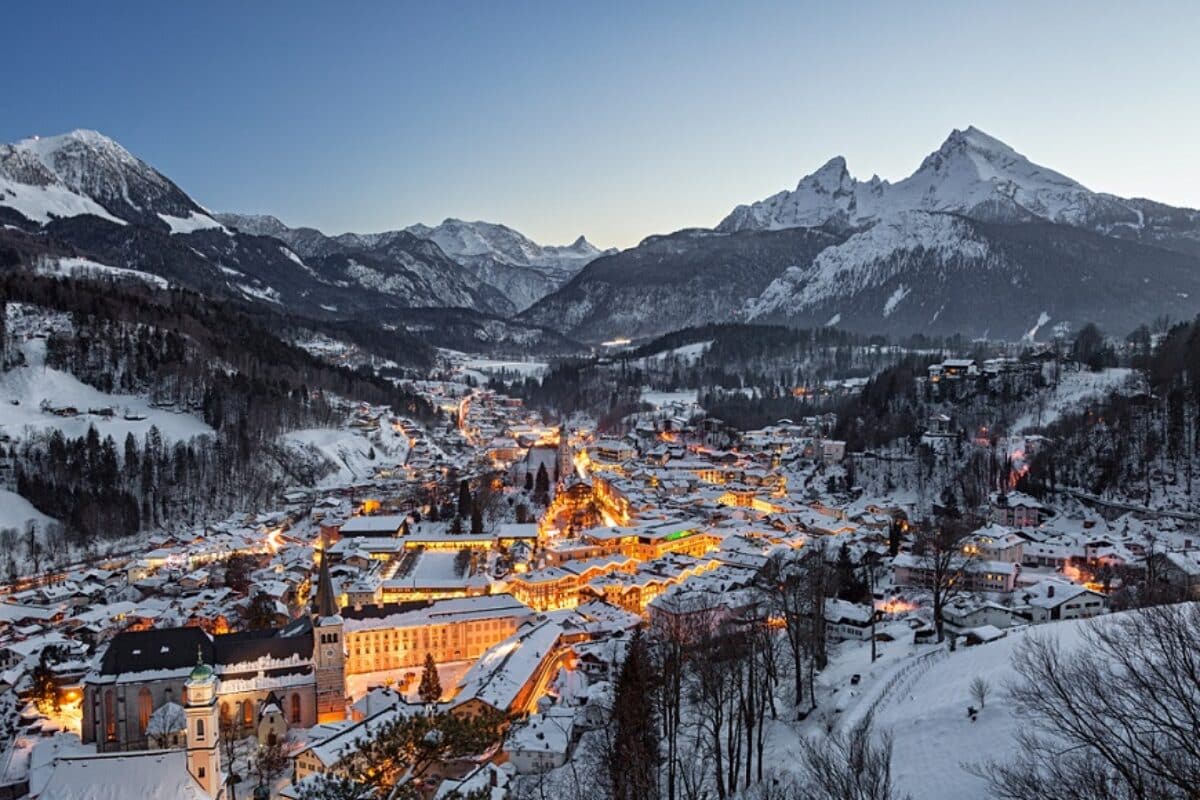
[[944, 561], [794, 584], [1113, 718], [980, 689], [853, 766]]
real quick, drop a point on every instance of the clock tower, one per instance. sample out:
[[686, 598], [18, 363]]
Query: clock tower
[[329, 656]]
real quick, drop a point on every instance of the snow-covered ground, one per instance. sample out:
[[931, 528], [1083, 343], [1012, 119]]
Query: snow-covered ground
[[85, 267], [449, 675], [481, 369], [15, 511], [682, 401], [1074, 388], [435, 567], [24, 389], [354, 454], [921, 694], [688, 353]]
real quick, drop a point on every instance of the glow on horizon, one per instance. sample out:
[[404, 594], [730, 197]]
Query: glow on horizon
[[612, 120]]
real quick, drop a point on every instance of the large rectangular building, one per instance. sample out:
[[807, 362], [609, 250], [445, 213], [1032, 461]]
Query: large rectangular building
[[398, 636]]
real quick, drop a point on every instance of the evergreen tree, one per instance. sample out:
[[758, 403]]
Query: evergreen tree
[[430, 689], [542, 484], [476, 518], [464, 498], [634, 757], [260, 614]]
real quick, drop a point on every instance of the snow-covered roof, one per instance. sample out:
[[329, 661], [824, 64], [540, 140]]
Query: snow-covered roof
[[120, 776]]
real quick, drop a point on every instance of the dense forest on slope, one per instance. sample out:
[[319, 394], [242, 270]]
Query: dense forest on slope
[[1144, 447], [194, 355]]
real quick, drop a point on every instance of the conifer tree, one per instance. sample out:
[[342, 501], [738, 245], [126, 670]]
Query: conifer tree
[[430, 689], [634, 756]]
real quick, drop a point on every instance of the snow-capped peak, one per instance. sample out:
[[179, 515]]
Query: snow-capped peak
[[830, 178], [972, 173], [86, 172], [463, 240]]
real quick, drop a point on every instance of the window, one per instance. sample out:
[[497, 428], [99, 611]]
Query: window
[[295, 708], [200, 729], [224, 711], [200, 772], [145, 708], [247, 712], [110, 716]]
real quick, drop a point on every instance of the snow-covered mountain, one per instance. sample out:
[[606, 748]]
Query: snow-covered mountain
[[975, 175], [82, 195], [509, 267], [468, 240], [978, 240], [521, 269], [85, 172]]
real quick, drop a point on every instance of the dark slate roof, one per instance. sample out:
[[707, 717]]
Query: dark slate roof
[[165, 648], [238, 648], [326, 599], [385, 609], [176, 648]]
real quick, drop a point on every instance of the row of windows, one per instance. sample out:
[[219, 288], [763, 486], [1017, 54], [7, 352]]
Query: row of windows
[[145, 703]]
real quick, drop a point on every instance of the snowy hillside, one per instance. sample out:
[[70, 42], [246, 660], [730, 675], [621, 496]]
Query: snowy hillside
[[35, 398], [85, 172], [934, 738], [349, 456], [16, 511]]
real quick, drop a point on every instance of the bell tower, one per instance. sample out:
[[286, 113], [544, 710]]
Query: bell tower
[[203, 732], [329, 656], [564, 465]]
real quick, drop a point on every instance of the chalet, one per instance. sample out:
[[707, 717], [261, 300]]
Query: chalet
[[1017, 510], [542, 742], [1053, 600]]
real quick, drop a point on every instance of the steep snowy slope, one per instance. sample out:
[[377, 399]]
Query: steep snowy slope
[[85, 172]]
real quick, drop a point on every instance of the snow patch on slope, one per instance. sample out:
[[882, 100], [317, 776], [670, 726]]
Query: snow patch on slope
[[191, 224], [43, 204], [895, 299], [75, 267]]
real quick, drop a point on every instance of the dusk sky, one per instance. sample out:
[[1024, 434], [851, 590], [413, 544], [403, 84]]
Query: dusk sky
[[608, 119]]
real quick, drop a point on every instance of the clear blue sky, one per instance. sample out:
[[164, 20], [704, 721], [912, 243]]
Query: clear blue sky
[[611, 119]]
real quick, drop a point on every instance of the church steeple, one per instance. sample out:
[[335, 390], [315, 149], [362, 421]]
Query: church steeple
[[326, 599], [329, 654], [564, 466]]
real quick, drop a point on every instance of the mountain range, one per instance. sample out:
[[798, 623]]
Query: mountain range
[[979, 241], [84, 193]]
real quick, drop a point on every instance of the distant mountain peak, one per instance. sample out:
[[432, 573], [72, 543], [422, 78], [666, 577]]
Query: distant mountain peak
[[86, 172], [971, 173]]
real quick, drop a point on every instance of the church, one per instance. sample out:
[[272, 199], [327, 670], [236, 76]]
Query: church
[[300, 668]]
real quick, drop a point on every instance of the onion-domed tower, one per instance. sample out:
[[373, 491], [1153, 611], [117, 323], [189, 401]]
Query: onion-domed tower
[[203, 733]]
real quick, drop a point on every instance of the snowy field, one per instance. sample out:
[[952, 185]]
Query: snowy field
[[688, 353], [682, 401], [449, 674], [23, 389], [15, 511]]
